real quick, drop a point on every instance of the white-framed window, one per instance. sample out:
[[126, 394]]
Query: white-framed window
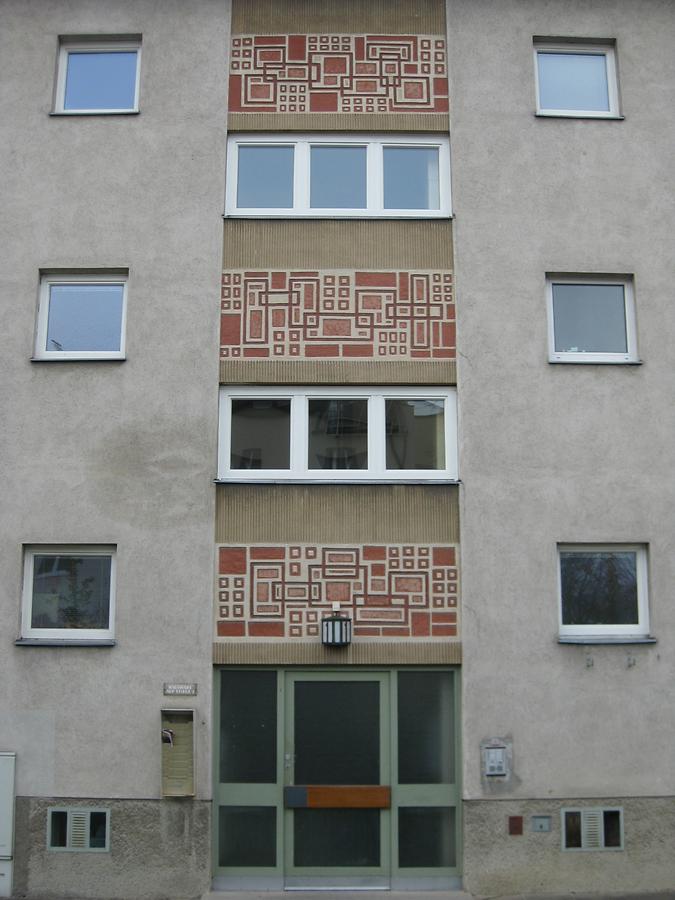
[[338, 176], [98, 76], [78, 828], [81, 317], [576, 79], [591, 319], [69, 592], [337, 434], [603, 590], [592, 828]]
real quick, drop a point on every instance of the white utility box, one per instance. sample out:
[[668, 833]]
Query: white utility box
[[7, 766]]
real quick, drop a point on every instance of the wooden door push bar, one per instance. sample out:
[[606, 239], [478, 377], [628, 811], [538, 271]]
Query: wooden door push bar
[[337, 796]]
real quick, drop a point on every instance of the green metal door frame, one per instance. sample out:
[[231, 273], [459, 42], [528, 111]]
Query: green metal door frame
[[389, 873]]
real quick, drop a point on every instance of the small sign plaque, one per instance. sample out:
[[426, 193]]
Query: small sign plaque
[[174, 689]]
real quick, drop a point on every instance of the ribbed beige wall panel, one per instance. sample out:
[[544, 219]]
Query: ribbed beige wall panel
[[337, 243], [340, 513], [315, 654], [338, 16], [319, 122], [309, 371]]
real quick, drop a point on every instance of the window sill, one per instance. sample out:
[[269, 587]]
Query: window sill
[[66, 642], [623, 639], [595, 362], [284, 215], [612, 117], [94, 112], [336, 481], [77, 359]]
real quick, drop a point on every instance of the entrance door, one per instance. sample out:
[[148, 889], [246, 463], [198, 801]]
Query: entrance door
[[337, 792], [336, 778]]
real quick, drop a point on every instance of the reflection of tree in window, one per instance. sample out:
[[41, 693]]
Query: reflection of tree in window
[[71, 592], [338, 434], [599, 588]]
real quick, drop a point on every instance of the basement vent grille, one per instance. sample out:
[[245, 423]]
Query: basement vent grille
[[78, 828], [592, 828]]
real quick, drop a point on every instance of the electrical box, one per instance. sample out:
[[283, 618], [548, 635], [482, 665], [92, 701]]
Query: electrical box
[[7, 767], [7, 764], [495, 760], [178, 753], [541, 823]]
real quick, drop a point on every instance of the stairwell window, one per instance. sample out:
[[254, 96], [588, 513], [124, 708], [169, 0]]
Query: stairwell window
[[335, 176], [337, 434]]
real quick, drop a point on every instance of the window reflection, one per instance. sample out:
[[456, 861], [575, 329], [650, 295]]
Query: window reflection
[[411, 178], [338, 434], [573, 81], [261, 433], [338, 177], [265, 177], [415, 434]]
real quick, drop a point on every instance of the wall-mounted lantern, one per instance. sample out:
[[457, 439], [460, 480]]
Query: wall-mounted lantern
[[336, 629]]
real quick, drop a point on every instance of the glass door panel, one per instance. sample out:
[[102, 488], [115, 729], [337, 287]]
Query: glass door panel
[[337, 762], [426, 794], [248, 767], [337, 732]]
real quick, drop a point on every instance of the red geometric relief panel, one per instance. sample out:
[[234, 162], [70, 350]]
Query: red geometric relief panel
[[338, 73], [390, 591], [377, 315]]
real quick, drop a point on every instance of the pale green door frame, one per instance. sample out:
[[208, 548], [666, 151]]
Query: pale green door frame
[[268, 838]]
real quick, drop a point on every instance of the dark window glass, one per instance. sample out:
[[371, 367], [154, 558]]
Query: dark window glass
[[265, 177], [612, 827], [572, 829], [599, 587], [415, 434], [426, 837], [86, 317], [97, 829], [336, 837], [101, 79], [425, 728], [58, 834], [589, 318], [247, 836], [338, 434], [338, 178], [261, 433], [71, 592], [337, 732], [248, 726]]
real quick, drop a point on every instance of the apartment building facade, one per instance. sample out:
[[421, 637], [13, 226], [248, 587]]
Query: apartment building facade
[[294, 291]]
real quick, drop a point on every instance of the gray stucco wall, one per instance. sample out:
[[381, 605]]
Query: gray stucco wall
[[113, 452], [499, 864], [562, 453], [158, 850]]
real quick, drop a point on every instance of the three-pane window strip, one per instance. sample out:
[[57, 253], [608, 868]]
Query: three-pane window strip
[[338, 435], [338, 176]]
